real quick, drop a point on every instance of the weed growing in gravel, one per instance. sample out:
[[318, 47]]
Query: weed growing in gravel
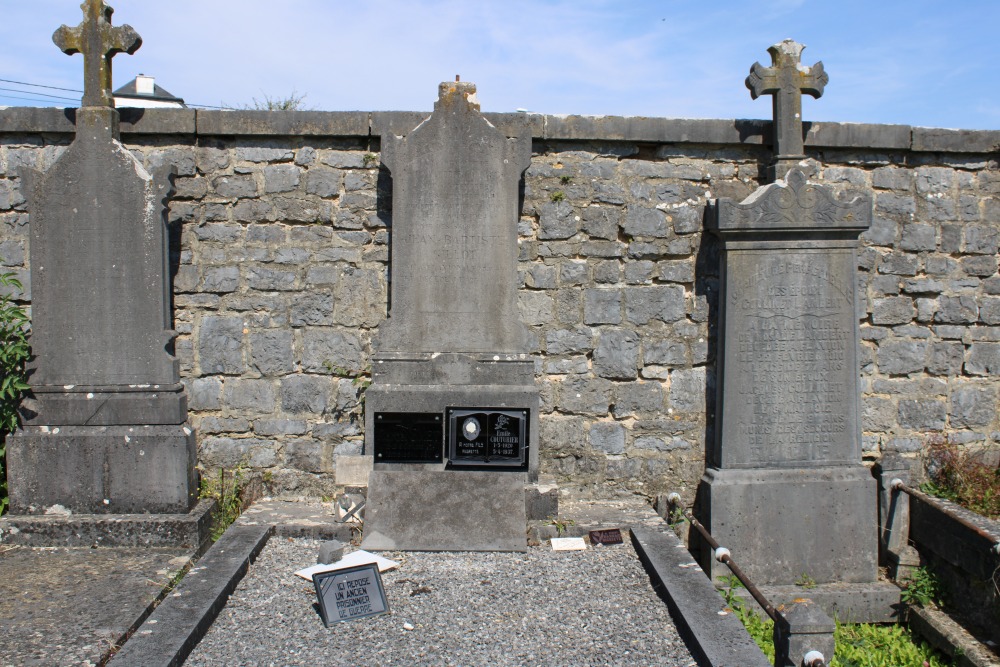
[[560, 524], [921, 588]]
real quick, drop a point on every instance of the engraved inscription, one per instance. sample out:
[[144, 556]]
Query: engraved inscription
[[792, 355]]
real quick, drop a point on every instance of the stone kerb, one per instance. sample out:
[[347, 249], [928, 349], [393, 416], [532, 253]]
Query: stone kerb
[[279, 257]]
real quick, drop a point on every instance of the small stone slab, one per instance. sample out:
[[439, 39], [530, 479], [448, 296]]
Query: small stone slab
[[568, 544], [445, 511], [314, 520], [189, 531]]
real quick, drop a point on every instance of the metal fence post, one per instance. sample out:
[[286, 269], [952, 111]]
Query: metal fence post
[[803, 636]]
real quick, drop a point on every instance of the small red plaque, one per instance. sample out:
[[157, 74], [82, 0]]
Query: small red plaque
[[609, 536]]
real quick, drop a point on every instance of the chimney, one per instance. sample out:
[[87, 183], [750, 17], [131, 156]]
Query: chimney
[[144, 85]]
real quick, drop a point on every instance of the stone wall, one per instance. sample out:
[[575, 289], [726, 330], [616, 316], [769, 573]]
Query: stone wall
[[280, 256]]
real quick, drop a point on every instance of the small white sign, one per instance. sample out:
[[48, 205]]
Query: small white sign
[[568, 544]]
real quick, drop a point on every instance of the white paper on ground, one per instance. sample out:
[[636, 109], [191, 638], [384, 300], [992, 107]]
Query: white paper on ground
[[359, 557], [568, 544]]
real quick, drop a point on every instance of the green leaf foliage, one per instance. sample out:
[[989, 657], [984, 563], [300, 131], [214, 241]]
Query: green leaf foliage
[[14, 352]]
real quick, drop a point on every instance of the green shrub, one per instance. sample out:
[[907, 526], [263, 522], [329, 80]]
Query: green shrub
[[14, 352], [962, 477]]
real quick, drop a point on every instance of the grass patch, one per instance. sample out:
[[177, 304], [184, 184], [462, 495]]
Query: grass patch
[[858, 645], [233, 491]]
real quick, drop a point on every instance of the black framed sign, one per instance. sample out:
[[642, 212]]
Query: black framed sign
[[492, 437], [350, 593]]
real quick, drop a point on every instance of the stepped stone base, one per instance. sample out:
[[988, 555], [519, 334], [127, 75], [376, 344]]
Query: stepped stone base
[[786, 524], [102, 469], [190, 530]]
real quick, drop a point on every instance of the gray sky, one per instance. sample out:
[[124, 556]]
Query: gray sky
[[916, 62]]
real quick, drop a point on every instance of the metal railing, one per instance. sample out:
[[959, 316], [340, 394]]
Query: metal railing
[[724, 556], [897, 485]]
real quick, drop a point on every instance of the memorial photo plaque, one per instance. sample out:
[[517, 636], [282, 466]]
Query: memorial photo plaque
[[487, 437], [408, 437], [350, 593]]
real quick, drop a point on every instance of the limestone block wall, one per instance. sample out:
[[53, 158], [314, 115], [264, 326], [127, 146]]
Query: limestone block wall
[[280, 256]]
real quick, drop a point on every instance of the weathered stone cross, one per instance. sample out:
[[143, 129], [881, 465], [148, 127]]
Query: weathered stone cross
[[786, 80], [99, 42]]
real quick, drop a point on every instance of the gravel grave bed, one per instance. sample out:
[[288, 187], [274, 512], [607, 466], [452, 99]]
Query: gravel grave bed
[[593, 607]]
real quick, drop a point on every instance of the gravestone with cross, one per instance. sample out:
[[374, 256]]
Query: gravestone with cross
[[786, 80], [784, 486], [452, 412], [104, 427]]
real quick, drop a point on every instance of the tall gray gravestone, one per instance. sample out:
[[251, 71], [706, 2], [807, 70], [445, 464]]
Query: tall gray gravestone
[[451, 415], [104, 429], [785, 487]]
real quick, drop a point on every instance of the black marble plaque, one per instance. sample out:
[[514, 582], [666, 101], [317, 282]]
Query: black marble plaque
[[492, 437], [408, 437]]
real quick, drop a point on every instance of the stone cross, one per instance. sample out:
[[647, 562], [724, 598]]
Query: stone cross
[[786, 80], [99, 42]]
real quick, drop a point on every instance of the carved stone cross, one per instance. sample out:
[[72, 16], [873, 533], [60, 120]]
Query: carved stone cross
[[99, 42], [786, 80]]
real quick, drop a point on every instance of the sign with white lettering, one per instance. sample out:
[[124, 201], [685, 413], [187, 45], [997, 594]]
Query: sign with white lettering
[[350, 593], [488, 437]]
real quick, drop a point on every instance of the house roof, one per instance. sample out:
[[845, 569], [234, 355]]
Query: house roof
[[129, 91]]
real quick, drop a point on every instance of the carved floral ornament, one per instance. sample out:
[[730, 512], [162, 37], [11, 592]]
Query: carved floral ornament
[[793, 203]]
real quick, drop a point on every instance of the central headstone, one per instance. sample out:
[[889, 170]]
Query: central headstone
[[785, 487], [452, 363]]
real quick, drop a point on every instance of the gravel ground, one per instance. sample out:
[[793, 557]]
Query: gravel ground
[[594, 607]]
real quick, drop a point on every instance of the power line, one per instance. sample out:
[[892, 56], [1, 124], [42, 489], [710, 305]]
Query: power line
[[69, 90], [38, 85], [58, 97], [29, 99]]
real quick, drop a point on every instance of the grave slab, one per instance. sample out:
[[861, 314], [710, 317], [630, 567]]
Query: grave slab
[[73, 606], [423, 510]]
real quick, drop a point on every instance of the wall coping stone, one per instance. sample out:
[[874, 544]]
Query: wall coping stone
[[204, 122]]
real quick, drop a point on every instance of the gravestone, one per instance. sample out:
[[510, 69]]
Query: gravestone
[[785, 487], [452, 360], [104, 427]]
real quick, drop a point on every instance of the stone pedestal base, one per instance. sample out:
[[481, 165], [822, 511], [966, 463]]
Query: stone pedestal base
[[102, 469], [422, 510], [785, 526], [431, 383]]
